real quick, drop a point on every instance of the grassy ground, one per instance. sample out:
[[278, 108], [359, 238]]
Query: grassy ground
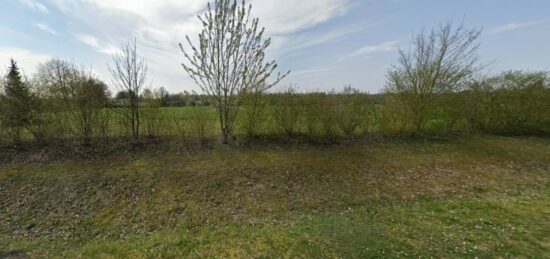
[[471, 196]]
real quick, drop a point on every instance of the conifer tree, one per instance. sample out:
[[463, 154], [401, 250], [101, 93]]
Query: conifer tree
[[17, 109]]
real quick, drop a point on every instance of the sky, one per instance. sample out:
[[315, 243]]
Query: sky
[[326, 44]]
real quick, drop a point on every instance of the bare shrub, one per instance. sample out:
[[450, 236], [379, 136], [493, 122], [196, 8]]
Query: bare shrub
[[130, 75], [439, 62], [74, 99]]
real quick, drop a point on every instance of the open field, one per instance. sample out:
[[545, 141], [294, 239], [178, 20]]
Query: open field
[[184, 129], [471, 196]]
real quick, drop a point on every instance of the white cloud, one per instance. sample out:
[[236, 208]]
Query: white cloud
[[88, 40], [281, 18], [389, 46], [34, 5], [95, 44], [28, 61], [515, 26], [288, 45], [159, 26], [311, 71], [46, 28]]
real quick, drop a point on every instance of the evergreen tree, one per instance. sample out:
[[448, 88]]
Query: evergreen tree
[[17, 110]]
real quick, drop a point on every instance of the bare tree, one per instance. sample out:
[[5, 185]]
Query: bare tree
[[75, 96], [130, 75], [229, 59], [438, 62]]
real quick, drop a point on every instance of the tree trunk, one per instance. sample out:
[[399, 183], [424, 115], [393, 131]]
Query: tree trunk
[[225, 140]]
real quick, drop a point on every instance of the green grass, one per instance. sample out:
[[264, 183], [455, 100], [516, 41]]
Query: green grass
[[200, 124], [475, 196], [171, 122]]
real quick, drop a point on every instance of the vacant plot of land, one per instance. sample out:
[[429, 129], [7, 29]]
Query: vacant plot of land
[[473, 196]]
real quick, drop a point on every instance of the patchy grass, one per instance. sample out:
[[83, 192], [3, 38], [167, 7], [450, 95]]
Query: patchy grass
[[473, 196]]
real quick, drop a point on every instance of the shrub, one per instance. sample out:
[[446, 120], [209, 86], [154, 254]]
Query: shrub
[[253, 110], [41, 125], [153, 117], [287, 110], [328, 108], [353, 110], [439, 62], [179, 125], [312, 113], [199, 124], [512, 103]]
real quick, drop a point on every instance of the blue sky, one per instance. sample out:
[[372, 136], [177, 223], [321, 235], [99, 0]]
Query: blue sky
[[325, 43]]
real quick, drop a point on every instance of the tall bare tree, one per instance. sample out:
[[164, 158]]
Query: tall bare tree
[[229, 59], [130, 75], [438, 62]]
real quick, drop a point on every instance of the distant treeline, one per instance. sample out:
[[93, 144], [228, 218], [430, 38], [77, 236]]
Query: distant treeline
[[164, 98], [185, 98], [436, 88], [75, 106]]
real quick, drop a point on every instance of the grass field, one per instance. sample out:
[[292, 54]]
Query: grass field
[[473, 196], [179, 123]]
